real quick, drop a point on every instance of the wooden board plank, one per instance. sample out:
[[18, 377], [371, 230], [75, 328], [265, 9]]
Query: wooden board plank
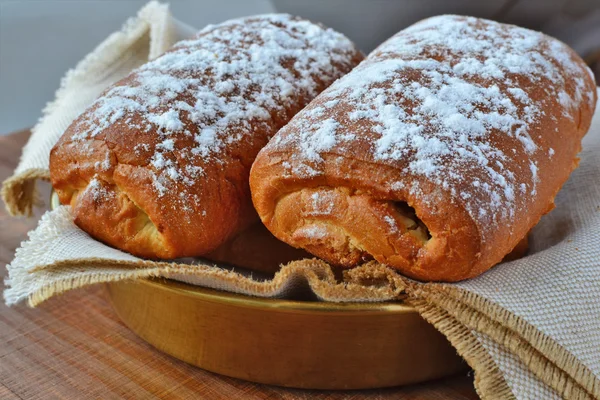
[[74, 346]]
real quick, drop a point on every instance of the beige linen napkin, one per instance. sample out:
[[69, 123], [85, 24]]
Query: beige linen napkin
[[529, 328]]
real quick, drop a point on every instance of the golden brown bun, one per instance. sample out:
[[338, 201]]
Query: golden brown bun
[[436, 155], [158, 166]]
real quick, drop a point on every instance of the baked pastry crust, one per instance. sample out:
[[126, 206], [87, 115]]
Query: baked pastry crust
[[436, 155], [158, 166]]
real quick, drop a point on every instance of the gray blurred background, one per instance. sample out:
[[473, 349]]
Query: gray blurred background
[[41, 39]]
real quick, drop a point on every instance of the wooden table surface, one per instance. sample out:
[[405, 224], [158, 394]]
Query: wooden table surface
[[75, 347]]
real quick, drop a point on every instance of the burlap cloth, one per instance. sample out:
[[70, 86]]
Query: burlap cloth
[[529, 328]]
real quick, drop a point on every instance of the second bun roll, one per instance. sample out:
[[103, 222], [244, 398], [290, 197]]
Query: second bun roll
[[436, 155]]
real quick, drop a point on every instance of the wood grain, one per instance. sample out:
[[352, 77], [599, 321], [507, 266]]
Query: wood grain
[[74, 346]]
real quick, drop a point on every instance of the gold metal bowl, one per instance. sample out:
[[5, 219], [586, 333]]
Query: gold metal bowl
[[303, 344], [299, 344]]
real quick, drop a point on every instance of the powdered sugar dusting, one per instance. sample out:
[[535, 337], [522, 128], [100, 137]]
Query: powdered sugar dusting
[[314, 232], [103, 165], [315, 141], [218, 89], [391, 223], [435, 99], [99, 192], [320, 140], [321, 204]]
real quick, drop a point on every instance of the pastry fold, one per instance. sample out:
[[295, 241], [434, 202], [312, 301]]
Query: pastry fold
[[158, 165], [435, 156]]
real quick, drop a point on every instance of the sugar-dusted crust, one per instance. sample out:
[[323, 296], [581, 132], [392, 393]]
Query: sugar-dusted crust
[[470, 124], [158, 165]]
